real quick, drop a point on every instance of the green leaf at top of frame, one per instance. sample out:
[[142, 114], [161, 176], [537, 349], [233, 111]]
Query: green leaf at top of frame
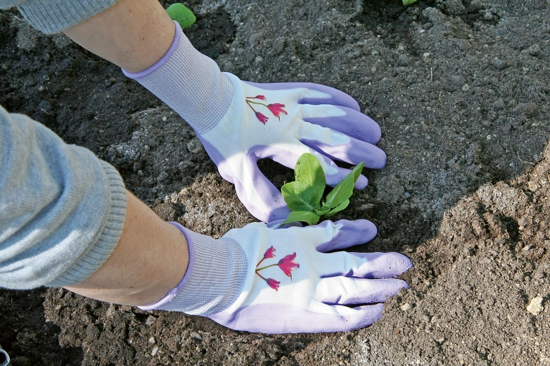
[[302, 216], [344, 189], [308, 170], [408, 2], [181, 14]]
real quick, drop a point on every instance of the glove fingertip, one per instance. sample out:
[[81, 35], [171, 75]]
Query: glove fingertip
[[348, 233], [400, 263], [384, 265], [367, 315], [361, 183], [370, 231], [378, 161], [365, 230]]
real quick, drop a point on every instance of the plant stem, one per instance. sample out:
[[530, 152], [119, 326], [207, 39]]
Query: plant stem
[[271, 265], [248, 102], [262, 277]]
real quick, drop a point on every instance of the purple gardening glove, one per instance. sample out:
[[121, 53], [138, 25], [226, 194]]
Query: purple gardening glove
[[240, 122], [266, 280], [281, 122]]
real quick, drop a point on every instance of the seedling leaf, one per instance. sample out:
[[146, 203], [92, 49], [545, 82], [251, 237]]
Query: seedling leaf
[[344, 189], [303, 216], [299, 196], [303, 196], [309, 171], [338, 208], [322, 211]]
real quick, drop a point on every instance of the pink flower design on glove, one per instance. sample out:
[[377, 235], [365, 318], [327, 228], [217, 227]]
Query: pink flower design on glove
[[275, 108], [261, 117], [273, 284], [288, 265], [270, 282], [269, 253]]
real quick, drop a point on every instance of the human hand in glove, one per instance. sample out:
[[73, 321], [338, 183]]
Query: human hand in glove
[[281, 122], [265, 280], [241, 122]]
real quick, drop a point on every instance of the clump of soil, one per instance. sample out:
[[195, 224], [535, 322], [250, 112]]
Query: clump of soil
[[460, 89]]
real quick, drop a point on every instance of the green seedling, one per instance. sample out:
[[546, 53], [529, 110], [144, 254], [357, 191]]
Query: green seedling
[[303, 196], [181, 14], [408, 2]]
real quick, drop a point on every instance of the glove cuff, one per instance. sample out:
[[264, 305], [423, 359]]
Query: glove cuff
[[190, 83], [214, 278]]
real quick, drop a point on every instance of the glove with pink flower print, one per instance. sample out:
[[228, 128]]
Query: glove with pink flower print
[[241, 122], [260, 279]]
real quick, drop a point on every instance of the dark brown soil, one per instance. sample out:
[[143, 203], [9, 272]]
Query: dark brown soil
[[461, 90]]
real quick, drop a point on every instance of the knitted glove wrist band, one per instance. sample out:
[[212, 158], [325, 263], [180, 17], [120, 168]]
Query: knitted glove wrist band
[[214, 278]]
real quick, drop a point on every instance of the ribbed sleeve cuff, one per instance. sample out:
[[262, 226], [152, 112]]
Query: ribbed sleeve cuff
[[90, 262], [53, 16]]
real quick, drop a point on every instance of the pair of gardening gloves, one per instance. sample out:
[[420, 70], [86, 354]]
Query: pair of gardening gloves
[[258, 278]]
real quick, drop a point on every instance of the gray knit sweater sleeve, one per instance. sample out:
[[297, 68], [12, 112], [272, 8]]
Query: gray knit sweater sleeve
[[61, 208], [53, 16]]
